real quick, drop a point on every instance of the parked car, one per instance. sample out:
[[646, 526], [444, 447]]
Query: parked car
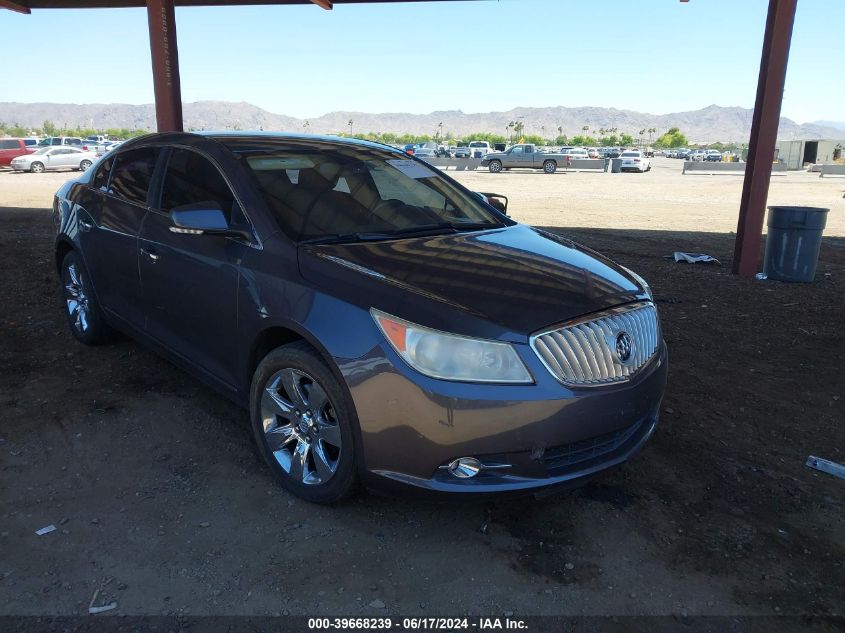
[[11, 148], [462, 151], [670, 153], [381, 322], [683, 154], [576, 153], [592, 152], [697, 155], [46, 158], [713, 155], [59, 140], [107, 147], [443, 152], [410, 149], [635, 160], [96, 139], [424, 153]]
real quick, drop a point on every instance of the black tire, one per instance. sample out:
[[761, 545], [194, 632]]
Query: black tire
[[36, 167], [495, 166], [302, 359], [85, 318], [550, 167], [85, 164]]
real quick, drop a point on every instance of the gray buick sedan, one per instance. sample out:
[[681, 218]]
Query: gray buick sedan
[[384, 325]]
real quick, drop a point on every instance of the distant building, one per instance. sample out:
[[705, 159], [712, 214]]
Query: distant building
[[796, 154]]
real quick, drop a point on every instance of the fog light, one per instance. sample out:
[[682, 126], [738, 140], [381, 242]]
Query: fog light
[[465, 467]]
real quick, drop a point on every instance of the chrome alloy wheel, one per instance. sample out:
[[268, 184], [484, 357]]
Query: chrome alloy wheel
[[300, 426], [76, 299]]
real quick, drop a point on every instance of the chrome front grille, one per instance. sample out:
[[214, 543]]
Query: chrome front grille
[[602, 349]]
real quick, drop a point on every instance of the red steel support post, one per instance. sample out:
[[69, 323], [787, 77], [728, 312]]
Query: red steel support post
[[165, 58], [764, 130]]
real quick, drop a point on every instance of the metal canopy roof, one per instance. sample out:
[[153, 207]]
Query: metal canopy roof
[[24, 6]]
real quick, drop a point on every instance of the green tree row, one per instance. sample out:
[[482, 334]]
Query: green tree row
[[48, 128]]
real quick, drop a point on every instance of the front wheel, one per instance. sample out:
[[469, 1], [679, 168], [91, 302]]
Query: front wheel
[[495, 167], [85, 164], [36, 167], [302, 425], [550, 167]]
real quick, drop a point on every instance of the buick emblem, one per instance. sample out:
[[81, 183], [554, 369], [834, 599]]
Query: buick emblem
[[624, 347]]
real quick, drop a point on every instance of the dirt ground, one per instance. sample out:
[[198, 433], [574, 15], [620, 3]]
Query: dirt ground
[[162, 505]]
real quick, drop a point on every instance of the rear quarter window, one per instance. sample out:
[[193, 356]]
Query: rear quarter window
[[101, 176], [9, 144]]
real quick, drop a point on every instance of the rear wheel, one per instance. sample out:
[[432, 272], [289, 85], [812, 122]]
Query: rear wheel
[[550, 167], [495, 166], [83, 313], [36, 167], [85, 164], [302, 425]]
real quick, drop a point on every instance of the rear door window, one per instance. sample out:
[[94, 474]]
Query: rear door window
[[9, 144], [133, 173]]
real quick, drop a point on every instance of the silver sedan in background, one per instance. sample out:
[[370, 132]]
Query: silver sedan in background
[[60, 157]]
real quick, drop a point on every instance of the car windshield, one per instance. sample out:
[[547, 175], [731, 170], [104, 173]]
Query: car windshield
[[478, 144], [630, 154], [322, 192]]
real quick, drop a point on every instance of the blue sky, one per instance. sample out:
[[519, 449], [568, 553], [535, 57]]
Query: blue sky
[[653, 56]]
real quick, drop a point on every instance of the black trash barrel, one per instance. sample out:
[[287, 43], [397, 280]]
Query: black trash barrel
[[615, 165], [793, 242]]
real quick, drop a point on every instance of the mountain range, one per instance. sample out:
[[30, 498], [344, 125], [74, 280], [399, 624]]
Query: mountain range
[[711, 124]]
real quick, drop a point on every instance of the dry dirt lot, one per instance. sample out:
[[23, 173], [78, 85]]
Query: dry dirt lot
[[162, 504]]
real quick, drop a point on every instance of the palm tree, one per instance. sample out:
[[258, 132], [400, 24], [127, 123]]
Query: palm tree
[[350, 126]]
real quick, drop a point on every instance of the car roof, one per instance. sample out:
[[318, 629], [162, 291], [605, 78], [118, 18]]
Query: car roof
[[230, 138]]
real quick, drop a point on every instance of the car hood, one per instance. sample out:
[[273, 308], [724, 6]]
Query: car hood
[[517, 277]]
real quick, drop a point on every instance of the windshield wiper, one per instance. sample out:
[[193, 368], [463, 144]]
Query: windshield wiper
[[412, 231], [339, 238]]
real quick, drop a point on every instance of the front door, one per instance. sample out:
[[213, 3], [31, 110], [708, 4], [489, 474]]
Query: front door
[[190, 282]]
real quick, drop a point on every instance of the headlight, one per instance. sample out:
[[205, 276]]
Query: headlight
[[640, 281], [452, 357]]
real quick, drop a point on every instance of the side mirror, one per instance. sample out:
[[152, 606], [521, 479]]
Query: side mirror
[[495, 200], [203, 218]]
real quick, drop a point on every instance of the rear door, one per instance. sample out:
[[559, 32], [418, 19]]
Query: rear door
[[109, 217], [190, 282], [64, 157]]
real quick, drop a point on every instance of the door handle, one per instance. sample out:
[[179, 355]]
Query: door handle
[[85, 225], [153, 257]]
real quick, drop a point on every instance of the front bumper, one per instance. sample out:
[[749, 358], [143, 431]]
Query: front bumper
[[535, 436]]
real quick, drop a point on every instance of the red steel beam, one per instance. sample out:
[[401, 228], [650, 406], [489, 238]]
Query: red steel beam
[[165, 58], [764, 131], [14, 6]]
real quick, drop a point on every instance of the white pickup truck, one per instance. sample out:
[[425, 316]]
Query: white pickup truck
[[479, 149]]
